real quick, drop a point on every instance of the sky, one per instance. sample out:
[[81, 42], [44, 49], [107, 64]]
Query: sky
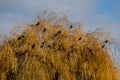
[[92, 13]]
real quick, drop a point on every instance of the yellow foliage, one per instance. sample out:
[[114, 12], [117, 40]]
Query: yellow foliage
[[50, 51]]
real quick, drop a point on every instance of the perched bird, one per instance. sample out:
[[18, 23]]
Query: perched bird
[[22, 36], [90, 51], [72, 51], [44, 30], [86, 59], [71, 26], [49, 46], [103, 46], [42, 43], [106, 41], [28, 43], [37, 23], [42, 62], [56, 75], [41, 46], [79, 39], [57, 33], [33, 46]]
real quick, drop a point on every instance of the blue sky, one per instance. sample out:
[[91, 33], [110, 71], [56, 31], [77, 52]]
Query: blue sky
[[111, 9], [92, 13]]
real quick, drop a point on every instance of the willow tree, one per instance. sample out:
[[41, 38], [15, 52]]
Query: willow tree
[[54, 48]]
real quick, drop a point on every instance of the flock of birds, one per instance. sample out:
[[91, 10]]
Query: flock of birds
[[42, 44], [55, 35]]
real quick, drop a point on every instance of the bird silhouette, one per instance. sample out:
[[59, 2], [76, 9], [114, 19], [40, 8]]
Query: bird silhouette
[[49, 46], [79, 39], [42, 43], [20, 37], [37, 23], [57, 33], [86, 59], [106, 41], [44, 30], [28, 43], [103, 46], [71, 26], [56, 75], [33, 46]]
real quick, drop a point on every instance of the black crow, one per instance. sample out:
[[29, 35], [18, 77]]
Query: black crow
[[86, 59], [28, 43], [42, 43], [49, 46], [103, 46], [90, 50], [71, 26], [56, 75], [72, 51], [42, 62], [79, 39], [106, 41], [57, 33], [44, 30], [41, 46], [33, 46], [22, 36], [37, 23]]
